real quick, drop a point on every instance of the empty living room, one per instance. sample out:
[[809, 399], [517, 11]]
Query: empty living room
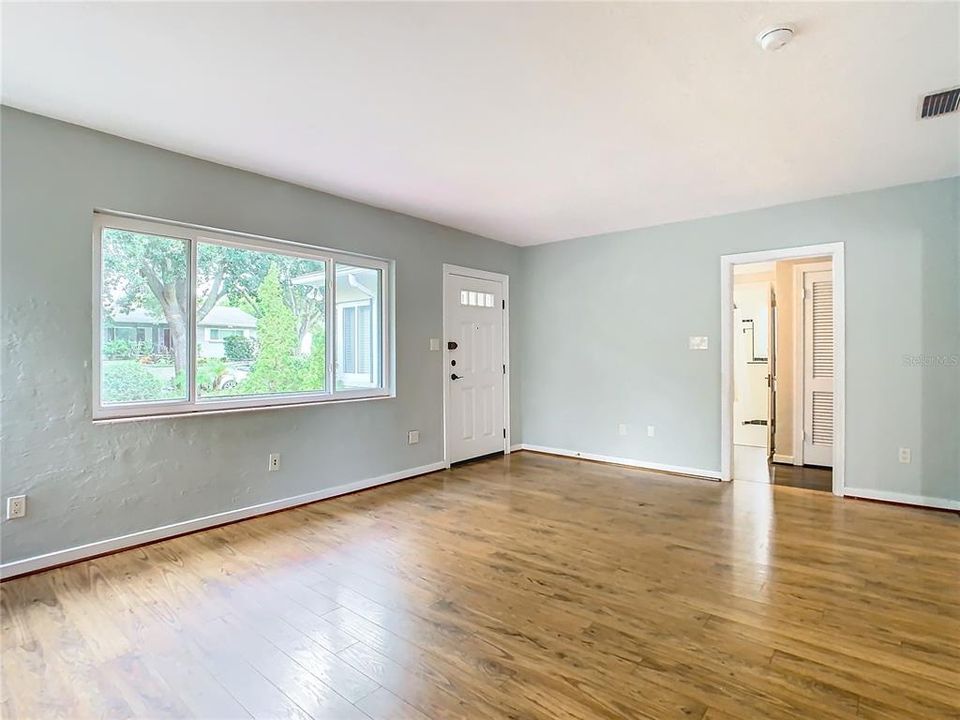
[[479, 360]]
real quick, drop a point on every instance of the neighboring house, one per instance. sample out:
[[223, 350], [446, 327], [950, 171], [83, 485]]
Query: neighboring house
[[357, 314], [357, 318], [221, 322]]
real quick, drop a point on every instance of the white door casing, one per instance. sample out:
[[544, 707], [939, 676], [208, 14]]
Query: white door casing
[[818, 370], [835, 251], [474, 365]]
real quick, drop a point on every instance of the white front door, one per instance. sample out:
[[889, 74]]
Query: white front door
[[818, 368], [474, 367]]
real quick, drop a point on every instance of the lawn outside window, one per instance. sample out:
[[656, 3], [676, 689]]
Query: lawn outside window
[[192, 320]]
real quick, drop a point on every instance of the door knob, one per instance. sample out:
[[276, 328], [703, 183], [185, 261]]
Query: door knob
[[454, 376]]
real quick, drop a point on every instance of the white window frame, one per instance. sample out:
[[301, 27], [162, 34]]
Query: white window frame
[[194, 405]]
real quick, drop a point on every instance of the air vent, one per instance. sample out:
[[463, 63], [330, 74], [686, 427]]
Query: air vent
[[940, 103]]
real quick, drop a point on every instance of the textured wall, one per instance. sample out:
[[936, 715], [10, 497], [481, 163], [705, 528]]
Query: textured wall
[[618, 352], [89, 482], [599, 333]]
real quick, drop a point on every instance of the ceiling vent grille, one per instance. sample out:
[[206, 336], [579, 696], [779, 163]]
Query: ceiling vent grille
[[940, 103]]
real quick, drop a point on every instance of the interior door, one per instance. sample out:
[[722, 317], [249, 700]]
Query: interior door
[[818, 368], [474, 367], [772, 376]]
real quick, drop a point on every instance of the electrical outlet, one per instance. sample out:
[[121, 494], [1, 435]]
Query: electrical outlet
[[16, 506], [413, 437], [274, 463], [621, 429], [905, 455], [651, 431]]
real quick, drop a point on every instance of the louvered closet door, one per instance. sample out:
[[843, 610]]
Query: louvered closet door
[[818, 368]]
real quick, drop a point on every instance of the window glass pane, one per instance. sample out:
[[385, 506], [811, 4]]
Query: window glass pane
[[143, 286], [358, 331], [265, 315], [259, 314]]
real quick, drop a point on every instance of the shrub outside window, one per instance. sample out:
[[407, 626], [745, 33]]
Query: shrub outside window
[[191, 320]]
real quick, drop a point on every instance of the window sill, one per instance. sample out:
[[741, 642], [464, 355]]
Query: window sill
[[220, 410]]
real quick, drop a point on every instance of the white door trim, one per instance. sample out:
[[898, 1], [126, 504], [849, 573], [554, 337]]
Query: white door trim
[[504, 280], [798, 345], [835, 252]]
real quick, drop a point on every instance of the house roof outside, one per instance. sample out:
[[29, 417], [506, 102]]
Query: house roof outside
[[219, 316]]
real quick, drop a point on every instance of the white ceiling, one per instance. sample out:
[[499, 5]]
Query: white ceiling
[[523, 122]]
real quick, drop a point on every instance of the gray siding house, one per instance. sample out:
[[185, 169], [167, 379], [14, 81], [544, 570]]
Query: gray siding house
[[145, 327]]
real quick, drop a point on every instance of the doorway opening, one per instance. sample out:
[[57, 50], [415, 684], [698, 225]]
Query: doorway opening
[[783, 365], [476, 372]]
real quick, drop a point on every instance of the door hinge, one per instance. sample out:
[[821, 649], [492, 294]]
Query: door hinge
[[503, 304], [504, 433], [504, 369]]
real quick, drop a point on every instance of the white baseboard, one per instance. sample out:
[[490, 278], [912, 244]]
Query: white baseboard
[[61, 557], [785, 459], [895, 497], [630, 462], [516, 447]]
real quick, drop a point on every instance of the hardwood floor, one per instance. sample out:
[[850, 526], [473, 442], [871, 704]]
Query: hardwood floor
[[750, 464], [802, 476], [520, 587]]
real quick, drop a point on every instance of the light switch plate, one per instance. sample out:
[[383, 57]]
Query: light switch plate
[[413, 437], [434, 344], [698, 342]]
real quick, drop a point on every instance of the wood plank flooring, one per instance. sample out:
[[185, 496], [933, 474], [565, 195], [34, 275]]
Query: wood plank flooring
[[518, 587], [802, 476]]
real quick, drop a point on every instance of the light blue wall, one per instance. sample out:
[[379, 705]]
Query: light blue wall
[[606, 321], [90, 482], [599, 336]]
